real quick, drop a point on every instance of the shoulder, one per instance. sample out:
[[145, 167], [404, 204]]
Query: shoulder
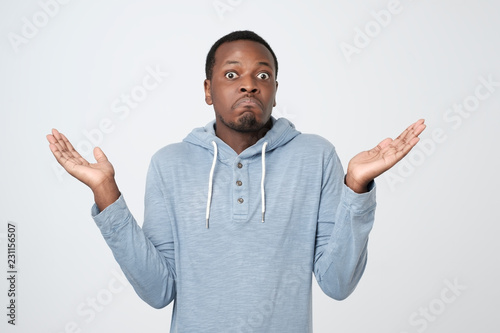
[[310, 149], [312, 143], [178, 148], [177, 153], [315, 139]]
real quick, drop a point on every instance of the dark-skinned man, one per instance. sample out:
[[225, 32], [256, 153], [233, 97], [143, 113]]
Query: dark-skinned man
[[240, 213]]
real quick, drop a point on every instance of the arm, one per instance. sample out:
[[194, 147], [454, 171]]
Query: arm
[[146, 255], [345, 219], [146, 259], [346, 212]]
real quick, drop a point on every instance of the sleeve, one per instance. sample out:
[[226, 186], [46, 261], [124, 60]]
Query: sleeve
[[345, 219], [145, 255]]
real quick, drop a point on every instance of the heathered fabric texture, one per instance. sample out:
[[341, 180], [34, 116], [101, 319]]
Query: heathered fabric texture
[[242, 275]]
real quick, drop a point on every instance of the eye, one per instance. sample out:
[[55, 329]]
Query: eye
[[263, 76], [231, 75]]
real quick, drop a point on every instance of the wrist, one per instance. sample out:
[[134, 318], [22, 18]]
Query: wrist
[[356, 186], [106, 193]]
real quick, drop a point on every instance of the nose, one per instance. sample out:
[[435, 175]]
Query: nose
[[248, 84]]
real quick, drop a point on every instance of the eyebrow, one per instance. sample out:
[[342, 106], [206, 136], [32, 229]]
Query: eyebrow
[[235, 62]]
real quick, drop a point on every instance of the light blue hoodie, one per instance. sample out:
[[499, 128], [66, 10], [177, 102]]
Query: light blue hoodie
[[234, 272]]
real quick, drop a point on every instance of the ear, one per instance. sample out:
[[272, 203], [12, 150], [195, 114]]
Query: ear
[[274, 104], [208, 94]]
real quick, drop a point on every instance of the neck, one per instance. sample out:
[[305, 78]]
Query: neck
[[239, 141]]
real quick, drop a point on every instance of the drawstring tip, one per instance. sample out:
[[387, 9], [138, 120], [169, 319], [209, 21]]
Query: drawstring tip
[[207, 224], [262, 217]]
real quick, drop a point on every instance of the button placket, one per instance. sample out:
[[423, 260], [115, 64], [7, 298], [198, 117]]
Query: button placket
[[240, 191]]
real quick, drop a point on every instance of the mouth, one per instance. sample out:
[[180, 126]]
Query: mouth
[[247, 102]]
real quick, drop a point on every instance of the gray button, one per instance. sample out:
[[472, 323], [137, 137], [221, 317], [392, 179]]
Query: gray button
[[239, 183], [240, 200], [240, 165]]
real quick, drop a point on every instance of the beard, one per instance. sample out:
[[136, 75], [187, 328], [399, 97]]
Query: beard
[[244, 124]]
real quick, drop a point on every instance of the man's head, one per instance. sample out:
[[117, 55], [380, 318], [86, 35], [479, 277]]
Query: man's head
[[241, 82], [234, 36]]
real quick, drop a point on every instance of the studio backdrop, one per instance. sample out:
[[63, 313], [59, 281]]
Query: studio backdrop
[[128, 77]]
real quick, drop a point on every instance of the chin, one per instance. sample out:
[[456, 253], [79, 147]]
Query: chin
[[247, 123]]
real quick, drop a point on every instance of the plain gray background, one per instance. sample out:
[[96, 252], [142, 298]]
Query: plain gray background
[[354, 72]]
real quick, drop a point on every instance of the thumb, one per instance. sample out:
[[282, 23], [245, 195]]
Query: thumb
[[384, 143], [99, 155]]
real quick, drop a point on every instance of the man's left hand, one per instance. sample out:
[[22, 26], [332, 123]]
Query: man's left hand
[[367, 165]]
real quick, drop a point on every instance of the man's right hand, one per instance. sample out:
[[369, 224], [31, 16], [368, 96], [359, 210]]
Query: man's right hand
[[100, 176]]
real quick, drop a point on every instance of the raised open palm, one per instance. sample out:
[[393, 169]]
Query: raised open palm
[[98, 176], [367, 165]]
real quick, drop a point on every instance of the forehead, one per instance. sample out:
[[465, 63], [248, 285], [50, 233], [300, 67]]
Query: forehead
[[243, 51]]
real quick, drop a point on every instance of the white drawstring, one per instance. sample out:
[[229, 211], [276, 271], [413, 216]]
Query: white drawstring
[[210, 181], [262, 192]]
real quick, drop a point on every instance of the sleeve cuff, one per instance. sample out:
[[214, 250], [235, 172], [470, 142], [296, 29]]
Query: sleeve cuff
[[359, 203], [112, 217]]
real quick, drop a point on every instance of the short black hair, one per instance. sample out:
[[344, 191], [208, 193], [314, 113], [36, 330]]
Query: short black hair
[[234, 36]]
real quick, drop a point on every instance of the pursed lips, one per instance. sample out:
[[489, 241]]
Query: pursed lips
[[247, 101]]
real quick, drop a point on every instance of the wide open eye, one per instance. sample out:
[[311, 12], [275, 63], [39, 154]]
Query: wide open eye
[[263, 76], [231, 75]]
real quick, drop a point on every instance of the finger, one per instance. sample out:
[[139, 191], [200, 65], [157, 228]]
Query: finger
[[417, 127], [61, 158], [63, 150], [60, 149], [55, 147], [411, 138], [55, 151], [407, 131], [64, 142], [68, 150], [408, 146], [418, 130], [51, 138], [72, 150], [99, 155], [55, 133], [59, 141], [413, 126], [54, 140], [408, 134], [384, 143]]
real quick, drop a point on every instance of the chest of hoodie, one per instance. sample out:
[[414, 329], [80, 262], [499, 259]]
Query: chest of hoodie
[[238, 249], [292, 190]]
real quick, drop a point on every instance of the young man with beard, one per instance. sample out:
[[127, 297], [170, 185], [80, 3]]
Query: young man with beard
[[240, 213]]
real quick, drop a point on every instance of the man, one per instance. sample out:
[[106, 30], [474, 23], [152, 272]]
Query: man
[[239, 258]]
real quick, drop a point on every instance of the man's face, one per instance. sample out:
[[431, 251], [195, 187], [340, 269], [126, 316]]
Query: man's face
[[243, 86]]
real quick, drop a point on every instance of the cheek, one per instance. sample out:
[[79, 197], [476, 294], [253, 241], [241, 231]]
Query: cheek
[[272, 99]]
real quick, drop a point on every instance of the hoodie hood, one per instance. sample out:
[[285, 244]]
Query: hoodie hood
[[281, 132]]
